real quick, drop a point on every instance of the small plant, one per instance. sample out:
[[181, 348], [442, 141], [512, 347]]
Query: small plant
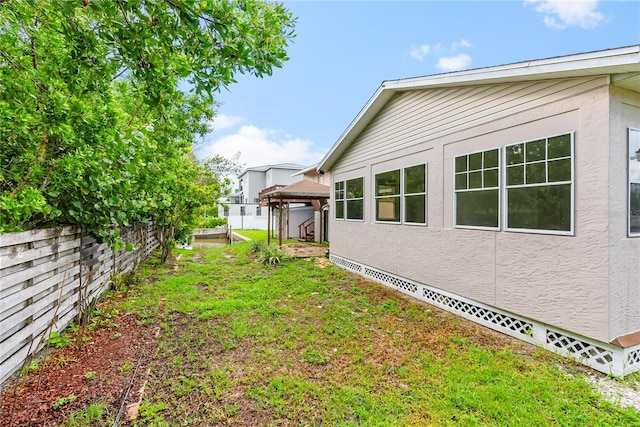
[[63, 401], [315, 356], [57, 340], [117, 282], [257, 246], [91, 415], [125, 367], [33, 367], [268, 254], [89, 376]]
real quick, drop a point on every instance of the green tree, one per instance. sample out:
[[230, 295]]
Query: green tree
[[94, 127]]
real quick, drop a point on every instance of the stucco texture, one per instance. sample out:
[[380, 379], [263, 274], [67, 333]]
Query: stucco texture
[[587, 283]]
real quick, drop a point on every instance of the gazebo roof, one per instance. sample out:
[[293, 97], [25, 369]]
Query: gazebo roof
[[301, 190]]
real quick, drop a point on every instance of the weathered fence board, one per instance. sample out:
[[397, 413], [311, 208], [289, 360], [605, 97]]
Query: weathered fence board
[[41, 274]]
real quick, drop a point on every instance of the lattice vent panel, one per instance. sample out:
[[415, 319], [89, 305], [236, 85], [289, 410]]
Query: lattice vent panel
[[481, 313], [633, 358], [581, 348], [347, 264], [391, 280]]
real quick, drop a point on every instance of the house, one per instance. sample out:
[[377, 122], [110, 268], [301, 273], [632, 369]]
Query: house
[[509, 195], [243, 209]]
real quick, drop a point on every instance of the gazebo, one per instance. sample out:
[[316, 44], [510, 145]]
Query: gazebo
[[299, 192]]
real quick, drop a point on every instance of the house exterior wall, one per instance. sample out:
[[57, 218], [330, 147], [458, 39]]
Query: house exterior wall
[[297, 215], [555, 279], [281, 177], [624, 251], [252, 183]]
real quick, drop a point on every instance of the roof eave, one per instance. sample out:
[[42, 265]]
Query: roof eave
[[366, 114], [612, 61]]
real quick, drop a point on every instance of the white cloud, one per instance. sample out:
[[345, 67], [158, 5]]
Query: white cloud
[[564, 13], [419, 52], [454, 63], [263, 147], [462, 43], [445, 63], [223, 121]]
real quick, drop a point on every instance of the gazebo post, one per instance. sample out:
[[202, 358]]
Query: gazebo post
[[268, 220], [288, 216], [280, 222]]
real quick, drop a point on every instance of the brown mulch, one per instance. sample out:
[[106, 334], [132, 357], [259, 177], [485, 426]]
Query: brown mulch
[[97, 371]]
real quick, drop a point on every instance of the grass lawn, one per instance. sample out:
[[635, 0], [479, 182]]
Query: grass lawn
[[262, 235], [306, 343], [253, 234]]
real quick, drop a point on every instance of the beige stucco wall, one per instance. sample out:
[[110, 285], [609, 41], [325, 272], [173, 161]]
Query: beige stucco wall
[[559, 280], [624, 252]]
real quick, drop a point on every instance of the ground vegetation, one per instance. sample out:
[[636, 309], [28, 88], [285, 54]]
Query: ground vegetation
[[227, 339]]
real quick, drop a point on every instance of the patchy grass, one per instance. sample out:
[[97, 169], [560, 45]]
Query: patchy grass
[[244, 343]]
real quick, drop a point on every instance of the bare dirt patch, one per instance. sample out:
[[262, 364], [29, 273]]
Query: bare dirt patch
[[306, 250]]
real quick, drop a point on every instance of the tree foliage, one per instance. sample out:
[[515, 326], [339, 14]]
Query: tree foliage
[[100, 102]]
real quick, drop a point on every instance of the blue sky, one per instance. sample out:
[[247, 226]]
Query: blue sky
[[343, 50]]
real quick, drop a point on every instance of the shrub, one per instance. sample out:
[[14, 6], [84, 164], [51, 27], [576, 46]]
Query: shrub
[[211, 221], [268, 254]]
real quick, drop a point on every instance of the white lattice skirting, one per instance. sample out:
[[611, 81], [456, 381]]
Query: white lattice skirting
[[603, 357]]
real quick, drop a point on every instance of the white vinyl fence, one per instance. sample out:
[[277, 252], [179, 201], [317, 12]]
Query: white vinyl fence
[[46, 275]]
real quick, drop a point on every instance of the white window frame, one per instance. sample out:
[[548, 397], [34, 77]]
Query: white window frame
[[402, 196], [498, 187], [572, 182], [630, 156], [376, 197], [347, 200], [336, 201]]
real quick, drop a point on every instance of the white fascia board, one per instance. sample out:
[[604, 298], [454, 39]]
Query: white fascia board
[[366, 114], [611, 61]]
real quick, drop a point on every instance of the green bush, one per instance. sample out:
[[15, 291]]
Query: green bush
[[268, 254], [211, 221]]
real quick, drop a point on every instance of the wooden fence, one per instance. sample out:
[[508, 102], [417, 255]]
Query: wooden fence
[[46, 275]]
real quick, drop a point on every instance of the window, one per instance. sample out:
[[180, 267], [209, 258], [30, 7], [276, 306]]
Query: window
[[258, 210], [339, 200], [539, 185], [634, 182], [401, 195], [349, 199], [388, 196], [477, 194], [354, 193], [415, 194]]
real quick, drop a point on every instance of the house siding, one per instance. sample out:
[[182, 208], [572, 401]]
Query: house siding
[[558, 280], [418, 117], [624, 252]]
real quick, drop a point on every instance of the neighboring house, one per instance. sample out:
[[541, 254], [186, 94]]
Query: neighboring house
[[253, 180], [243, 209], [311, 174], [509, 195]]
